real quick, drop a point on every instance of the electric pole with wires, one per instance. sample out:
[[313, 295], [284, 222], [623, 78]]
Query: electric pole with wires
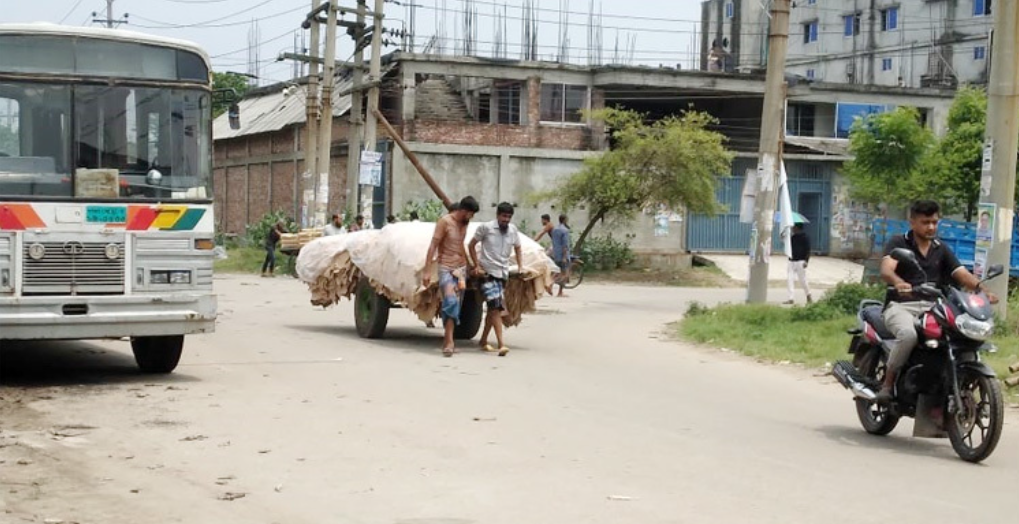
[[770, 159]]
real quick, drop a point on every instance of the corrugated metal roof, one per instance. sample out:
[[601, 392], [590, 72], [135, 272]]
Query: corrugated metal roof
[[276, 110]]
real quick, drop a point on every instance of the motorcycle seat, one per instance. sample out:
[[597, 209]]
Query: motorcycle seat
[[874, 315]]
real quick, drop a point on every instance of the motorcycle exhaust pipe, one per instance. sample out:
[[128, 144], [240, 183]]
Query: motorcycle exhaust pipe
[[845, 373]]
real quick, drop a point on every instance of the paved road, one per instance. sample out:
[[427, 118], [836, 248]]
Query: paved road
[[595, 417]]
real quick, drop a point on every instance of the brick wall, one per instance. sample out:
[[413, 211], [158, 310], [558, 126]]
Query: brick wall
[[502, 135]]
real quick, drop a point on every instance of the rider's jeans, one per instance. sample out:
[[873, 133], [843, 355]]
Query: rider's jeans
[[900, 319]]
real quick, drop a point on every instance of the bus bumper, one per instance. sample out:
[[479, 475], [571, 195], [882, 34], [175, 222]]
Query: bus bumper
[[65, 317]]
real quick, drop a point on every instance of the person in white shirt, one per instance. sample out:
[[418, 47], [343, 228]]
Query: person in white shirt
[[498, 238], [335, 227]]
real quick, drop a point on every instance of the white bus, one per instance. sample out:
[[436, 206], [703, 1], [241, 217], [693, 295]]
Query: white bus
[[106, 216]]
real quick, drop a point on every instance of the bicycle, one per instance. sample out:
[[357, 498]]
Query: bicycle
[[576, 272]]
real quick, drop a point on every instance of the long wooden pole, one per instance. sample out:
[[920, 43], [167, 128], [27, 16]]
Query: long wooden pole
[[413, 159]]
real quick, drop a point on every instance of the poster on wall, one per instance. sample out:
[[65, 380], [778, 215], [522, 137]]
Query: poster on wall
[[986, 214], [979, 262], [370, 172]]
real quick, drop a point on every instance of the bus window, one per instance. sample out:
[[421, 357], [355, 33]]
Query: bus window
[[34, 139]]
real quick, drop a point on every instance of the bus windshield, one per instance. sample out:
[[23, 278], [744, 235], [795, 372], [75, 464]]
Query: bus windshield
[[103, 141]]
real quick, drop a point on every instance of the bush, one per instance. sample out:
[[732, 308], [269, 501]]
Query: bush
[[845, 298], [816, 312], [697, 309], [427, 210], [255, 234], [606, 253]]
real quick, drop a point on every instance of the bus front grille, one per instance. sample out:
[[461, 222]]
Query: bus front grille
[[73, 268]]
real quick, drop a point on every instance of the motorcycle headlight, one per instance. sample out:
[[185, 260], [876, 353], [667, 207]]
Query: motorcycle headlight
[[973, 328]]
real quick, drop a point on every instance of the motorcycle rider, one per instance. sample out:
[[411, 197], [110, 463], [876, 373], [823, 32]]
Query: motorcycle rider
[[903, 307]]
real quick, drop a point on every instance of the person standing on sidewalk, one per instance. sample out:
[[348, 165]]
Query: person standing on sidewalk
[[561, 252], [798, 263], [499, 239]]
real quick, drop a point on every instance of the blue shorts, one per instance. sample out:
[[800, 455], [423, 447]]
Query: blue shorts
[[494, 290], [452, 295]]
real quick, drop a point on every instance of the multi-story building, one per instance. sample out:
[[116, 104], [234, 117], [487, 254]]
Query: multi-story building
[[908, 43]]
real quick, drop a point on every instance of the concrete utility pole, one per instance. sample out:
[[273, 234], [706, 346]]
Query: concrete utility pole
[[371, 124], [325, 129], [356, 111], [109, 14], [770, 156], [997, 182], [310, 174]]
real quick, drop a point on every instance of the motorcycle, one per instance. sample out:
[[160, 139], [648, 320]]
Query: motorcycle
[[944, 386]]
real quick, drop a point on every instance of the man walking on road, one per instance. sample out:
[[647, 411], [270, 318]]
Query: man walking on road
[[561, 252], [447, 248], [546, 227], [498, 239], [798, 263]]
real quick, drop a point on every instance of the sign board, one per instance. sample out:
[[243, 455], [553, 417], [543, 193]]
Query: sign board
[[370, 171], [986, 222], [96, 183]]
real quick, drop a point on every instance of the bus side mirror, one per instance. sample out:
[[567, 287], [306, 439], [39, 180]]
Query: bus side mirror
[[234, 115]]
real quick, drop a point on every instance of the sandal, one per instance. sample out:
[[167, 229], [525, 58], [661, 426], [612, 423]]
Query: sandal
[[488, 348], [503, 351], [448, 352]]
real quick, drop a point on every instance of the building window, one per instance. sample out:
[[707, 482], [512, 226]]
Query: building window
[[852, 24], [508, 105], [811, 74], [886, 64], [811, 2], [981, 7], [799, 119], [810, 32], [729, 10], [890, 19], [562, 103], [979, 53]]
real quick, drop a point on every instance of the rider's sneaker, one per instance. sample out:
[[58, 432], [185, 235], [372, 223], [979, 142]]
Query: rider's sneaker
[[885, 396]]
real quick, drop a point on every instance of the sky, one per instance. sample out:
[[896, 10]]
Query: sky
[[656, 31]]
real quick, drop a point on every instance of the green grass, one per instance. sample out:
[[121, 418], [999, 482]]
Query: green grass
[[245, 260], [778, 334]]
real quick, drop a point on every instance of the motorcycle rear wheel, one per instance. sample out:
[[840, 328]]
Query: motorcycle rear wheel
[[875, 419], [981, 415]]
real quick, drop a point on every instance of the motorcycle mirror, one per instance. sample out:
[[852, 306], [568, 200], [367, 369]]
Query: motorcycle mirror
[[904, 255], [994, 271]]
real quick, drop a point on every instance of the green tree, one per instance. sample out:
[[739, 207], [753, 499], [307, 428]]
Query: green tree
[[221, 102], [956, 161], [890, 163], [8, 142], [675, 161]]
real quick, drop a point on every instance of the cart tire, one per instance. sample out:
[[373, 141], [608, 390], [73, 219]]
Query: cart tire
[[157, 355], [371, 310], [471, 316]]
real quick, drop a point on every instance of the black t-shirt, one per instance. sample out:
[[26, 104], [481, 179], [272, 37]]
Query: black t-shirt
[[939, 264]]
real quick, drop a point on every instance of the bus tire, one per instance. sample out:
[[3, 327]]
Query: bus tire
[[157, 355]]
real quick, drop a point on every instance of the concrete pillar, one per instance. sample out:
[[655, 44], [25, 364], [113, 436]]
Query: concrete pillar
[[409, 104], [534, 110], [598, 139]]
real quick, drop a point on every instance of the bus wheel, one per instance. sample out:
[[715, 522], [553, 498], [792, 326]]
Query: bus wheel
[[157, 354]]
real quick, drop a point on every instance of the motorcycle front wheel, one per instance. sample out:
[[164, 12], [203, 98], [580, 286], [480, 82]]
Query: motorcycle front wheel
[[975, 428], [875, 418]]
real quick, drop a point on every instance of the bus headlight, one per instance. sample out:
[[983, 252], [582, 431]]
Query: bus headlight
[[170, 277], [36, 251], [112, 251]]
